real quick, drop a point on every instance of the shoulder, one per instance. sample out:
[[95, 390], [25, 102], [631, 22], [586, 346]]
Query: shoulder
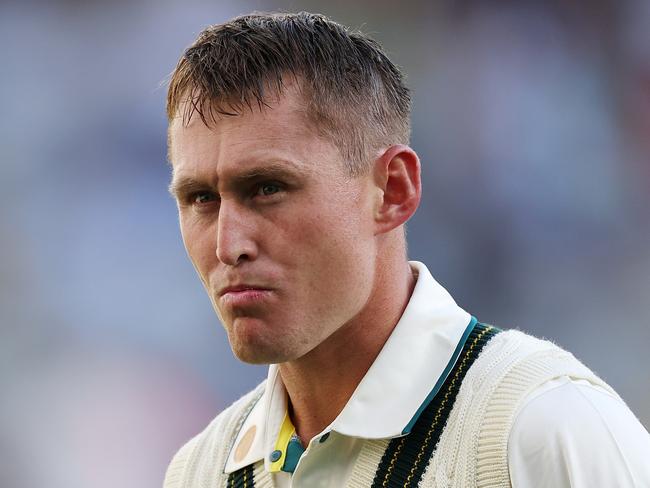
[[549, 421], [515, 366], [514, 356], [514, 359], [510, 367], [514, 345], [204, 455], [554, 433]]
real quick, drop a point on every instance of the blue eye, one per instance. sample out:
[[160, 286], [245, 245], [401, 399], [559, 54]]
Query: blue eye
[[203, 197], [268, 189]]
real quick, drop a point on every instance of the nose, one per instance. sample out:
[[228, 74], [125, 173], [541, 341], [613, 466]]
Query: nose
[[235, 234]]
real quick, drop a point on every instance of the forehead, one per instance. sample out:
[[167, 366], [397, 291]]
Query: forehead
[[281, 130]]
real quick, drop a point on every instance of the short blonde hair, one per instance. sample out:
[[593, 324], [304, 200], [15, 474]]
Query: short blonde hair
[[353, 93]]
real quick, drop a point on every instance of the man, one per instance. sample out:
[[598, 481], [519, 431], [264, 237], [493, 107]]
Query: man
[[288, 139]]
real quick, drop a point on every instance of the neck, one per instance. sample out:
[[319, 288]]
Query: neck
[[320, 383]]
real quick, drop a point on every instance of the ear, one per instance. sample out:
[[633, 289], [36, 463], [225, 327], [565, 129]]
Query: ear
[[397, 177]]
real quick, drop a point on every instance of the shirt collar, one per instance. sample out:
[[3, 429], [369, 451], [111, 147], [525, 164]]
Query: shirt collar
[[395, 389]]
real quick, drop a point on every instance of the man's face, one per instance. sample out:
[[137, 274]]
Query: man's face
[[281, 237]]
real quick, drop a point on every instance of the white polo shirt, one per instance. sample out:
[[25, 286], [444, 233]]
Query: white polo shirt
[[566, 433]]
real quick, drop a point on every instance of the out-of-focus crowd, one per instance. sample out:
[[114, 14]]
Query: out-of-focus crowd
[[532, 121]]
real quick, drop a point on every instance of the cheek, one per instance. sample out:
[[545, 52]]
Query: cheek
[[200, 242], [338, 251]]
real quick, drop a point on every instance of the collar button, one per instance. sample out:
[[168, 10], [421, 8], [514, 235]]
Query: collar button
[[275, 455]]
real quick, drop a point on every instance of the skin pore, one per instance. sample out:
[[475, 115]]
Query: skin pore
[[305, 265]]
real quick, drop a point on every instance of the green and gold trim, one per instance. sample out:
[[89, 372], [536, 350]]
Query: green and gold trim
[[406, 458], [242, 478]]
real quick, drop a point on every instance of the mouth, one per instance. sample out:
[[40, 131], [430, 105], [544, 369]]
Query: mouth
[[243, 295], [241, 289]]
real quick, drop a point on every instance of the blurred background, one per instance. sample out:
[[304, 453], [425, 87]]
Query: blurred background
[[532, 120]]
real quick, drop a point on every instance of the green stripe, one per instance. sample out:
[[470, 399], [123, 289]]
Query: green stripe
[[242, 478], [443, 376], [406, 458]]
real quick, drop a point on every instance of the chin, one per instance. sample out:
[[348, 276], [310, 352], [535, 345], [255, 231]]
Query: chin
[[257, 355], [252, 349], [250, 343]]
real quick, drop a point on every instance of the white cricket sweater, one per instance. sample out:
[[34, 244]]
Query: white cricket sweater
[[472, 450]]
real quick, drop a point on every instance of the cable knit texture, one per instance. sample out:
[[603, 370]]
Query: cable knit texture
[[472, 451], [200, 462]]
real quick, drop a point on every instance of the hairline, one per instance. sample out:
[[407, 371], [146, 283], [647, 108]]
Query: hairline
[[226, 108]]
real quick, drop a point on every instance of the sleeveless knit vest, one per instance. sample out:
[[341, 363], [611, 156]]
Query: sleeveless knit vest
[[459, 440]]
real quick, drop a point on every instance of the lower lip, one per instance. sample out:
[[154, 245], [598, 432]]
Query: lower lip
[[245, 297]]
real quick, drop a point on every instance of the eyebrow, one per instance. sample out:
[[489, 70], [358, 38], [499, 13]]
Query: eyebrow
[[183, 185]]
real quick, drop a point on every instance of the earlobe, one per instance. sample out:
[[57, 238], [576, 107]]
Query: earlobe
[[397, 175]]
